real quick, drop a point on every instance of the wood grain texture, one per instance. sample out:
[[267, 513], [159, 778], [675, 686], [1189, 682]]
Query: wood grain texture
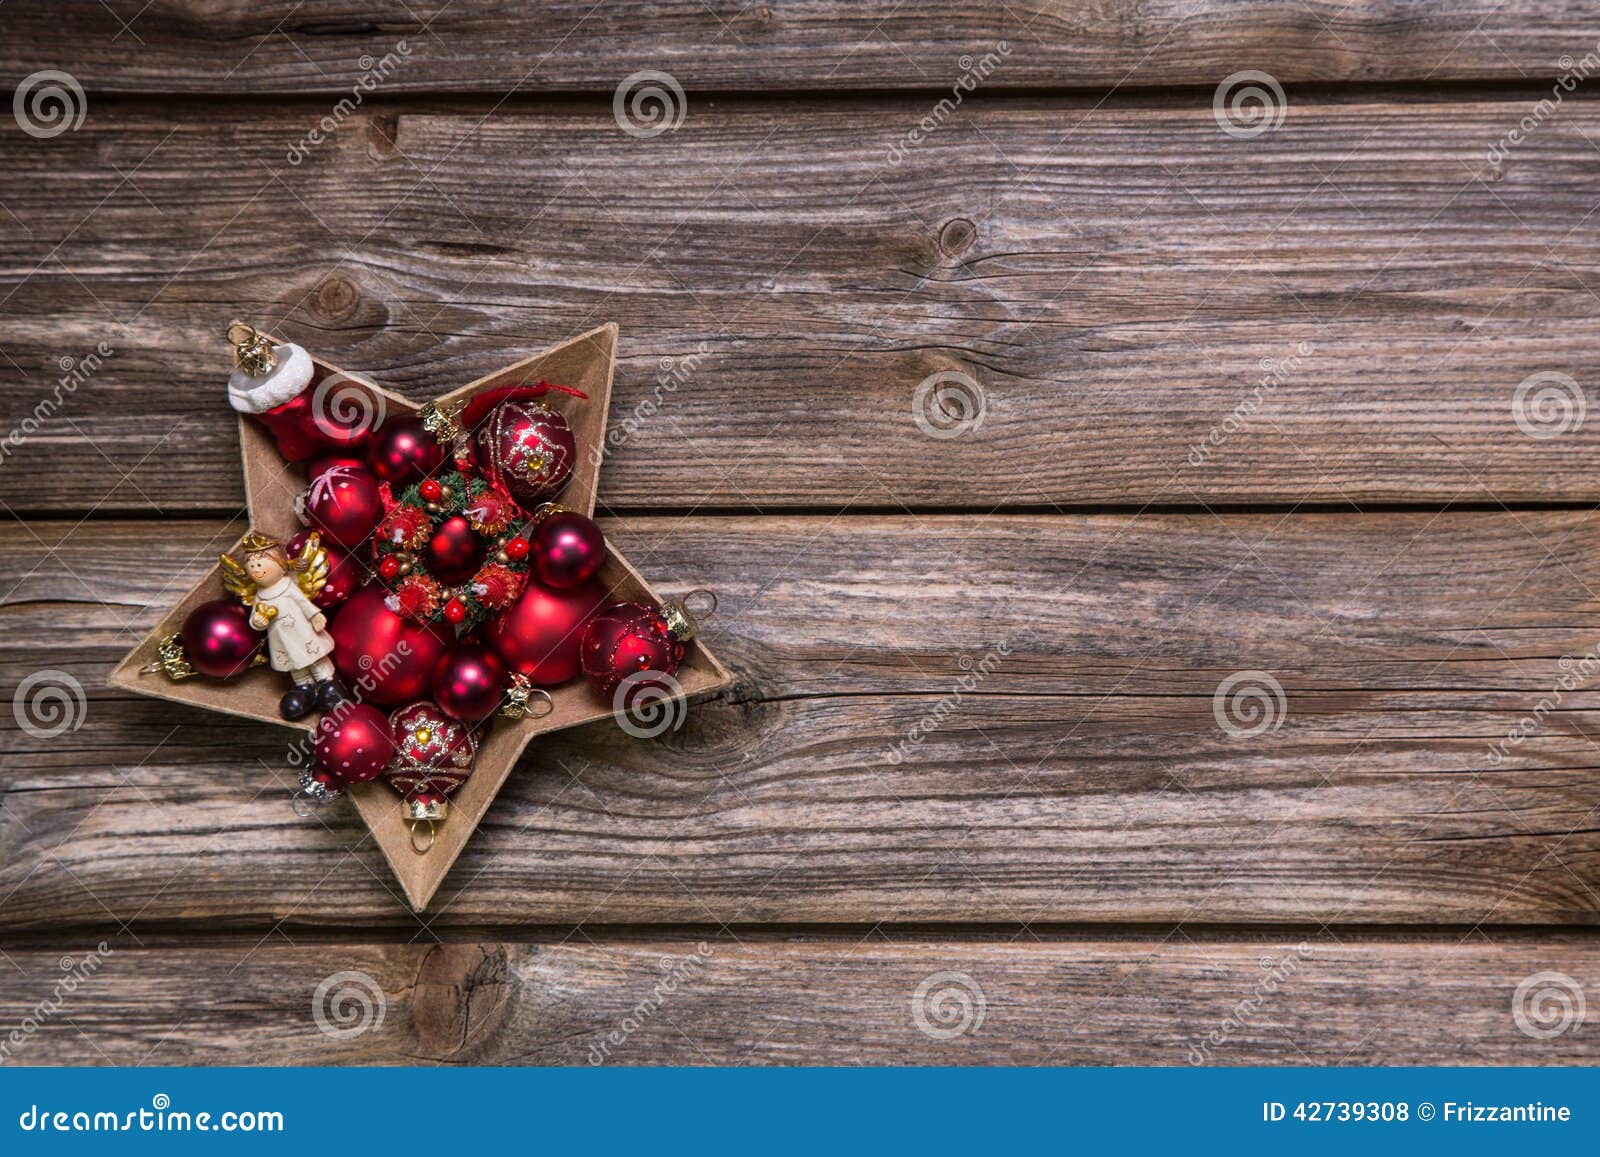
[[578, 1000], [1060, 672], [1341, 310], [277, 46]]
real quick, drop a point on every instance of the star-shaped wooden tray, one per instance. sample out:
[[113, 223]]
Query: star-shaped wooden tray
[[586, 363]]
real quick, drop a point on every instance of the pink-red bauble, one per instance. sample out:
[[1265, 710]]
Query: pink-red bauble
[[403, 452], [539, 636], [382, 657], [344, 573], [353, 742], [566, 549], [470, 683], [455, 552], [344, 504], [218, 639], [624, 639], [329, 415], [527, 448]]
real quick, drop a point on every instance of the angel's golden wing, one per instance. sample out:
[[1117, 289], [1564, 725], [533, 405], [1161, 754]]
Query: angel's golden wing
[[238, 580], [310, 566]]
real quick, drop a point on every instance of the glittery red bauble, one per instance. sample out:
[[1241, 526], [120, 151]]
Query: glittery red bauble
[[218, 639], [567, 549], [433, 753], [382, 657], [344, 573], [527, 448], [540, 634], [402, 452], [333, 413], [455, 552], [624, 639], [470, 683], [353, 742], [343, 503]]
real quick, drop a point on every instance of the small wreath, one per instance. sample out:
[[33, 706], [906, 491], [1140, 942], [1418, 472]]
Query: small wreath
[[400, 548]]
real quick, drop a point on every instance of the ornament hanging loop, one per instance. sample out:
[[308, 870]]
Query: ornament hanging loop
[[684, 615], [420, 848], [521, 702], [252, 352]]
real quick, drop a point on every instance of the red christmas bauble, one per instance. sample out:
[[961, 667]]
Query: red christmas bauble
[[567, 549], [527, 448], [433, 752], [382, 657], [344, 504], [624, 639], [455, 552], [322, 463], [403, 452], [353, 742], [540, 634], [344, 573], [333, 413], [218, 639], [470, 682]]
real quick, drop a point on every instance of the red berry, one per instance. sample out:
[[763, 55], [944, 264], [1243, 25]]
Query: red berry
[[431, 490], [389, 566], [455, 610], [517, 549]]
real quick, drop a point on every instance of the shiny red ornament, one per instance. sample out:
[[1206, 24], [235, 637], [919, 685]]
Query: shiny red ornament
[[517, 548], [455, 552], [389, 566], [402, 452], [383, 657], [433, 752], [344, 573], [470, 683], [455, 610], [528, 449], [567, 549], [218, 639], [430, 490], [353, 742], [625, 639], [539, 636], [344, 504], [322, 463]]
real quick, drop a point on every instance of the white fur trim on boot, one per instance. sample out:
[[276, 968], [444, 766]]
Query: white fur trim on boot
[[283, 383]]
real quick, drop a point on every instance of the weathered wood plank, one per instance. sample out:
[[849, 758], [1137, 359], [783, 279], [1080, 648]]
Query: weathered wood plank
[[575, 1000], [1343, 309], [1084, 775], [278, 46]]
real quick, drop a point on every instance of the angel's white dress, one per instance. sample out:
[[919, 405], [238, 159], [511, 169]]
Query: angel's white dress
[[293, 644]]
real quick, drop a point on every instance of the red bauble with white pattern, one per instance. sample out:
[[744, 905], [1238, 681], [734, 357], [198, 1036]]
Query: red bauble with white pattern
[[353, 742], [433, 753], [527, 448], [343, 502]]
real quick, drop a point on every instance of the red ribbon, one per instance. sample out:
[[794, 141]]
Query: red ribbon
[[479, 408]]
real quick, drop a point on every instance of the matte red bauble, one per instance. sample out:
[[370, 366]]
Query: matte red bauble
[[343, 503], [455, 552], [344, 573], [353, 742], [624, 639], [218, 639], [539, 636], [528, 449], [382, 657], [403, 452], [470, 682], [567, 549]]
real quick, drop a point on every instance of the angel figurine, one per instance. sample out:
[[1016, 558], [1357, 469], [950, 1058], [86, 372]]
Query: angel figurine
[[278, 591]]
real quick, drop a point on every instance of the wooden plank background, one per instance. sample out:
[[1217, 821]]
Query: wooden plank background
[[1068, 854]]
